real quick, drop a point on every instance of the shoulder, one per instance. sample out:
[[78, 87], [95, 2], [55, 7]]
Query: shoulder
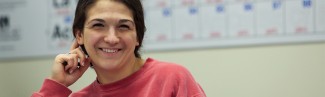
[[168, 68], [178, 77], [164, 65], [86, 91]]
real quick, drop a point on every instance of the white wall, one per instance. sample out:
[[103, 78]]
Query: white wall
[[262, 71]]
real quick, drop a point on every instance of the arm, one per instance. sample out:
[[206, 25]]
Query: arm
[[187, 86], [65, 72], [50, 88]]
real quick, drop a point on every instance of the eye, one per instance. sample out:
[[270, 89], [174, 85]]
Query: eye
[[98, 25], [124, 27]]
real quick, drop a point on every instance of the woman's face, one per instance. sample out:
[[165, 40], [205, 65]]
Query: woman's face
[[109, 34]]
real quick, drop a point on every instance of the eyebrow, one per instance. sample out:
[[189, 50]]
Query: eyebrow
[[99, 20], [120, 21], [125, 21]]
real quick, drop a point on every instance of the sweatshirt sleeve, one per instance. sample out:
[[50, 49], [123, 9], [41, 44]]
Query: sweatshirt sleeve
[[186, 84], [51, 88]]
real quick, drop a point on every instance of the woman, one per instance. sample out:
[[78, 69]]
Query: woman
[[109, 34]]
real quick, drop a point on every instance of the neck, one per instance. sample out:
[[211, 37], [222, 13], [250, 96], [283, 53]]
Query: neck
[[110, 76]]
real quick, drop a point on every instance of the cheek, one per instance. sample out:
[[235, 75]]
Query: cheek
[[134, 39], [91, 38]]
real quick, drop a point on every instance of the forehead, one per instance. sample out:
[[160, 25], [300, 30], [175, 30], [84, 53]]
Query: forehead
[[109, 9]]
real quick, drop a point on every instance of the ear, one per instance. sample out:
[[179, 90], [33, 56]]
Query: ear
[[137, 40], [137, 44], [79, 37]]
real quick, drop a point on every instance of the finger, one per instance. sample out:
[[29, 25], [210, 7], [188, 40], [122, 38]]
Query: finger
[[81, 56], [83, 69], [74, 66], [61, 59], [74, 45], [70, 59]]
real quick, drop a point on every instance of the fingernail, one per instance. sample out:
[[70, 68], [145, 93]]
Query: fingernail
[[70, 71]]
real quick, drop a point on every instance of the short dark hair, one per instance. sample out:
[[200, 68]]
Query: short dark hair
[[134, 5]]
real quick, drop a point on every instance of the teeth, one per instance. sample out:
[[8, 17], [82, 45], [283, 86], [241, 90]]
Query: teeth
[[110, 50]]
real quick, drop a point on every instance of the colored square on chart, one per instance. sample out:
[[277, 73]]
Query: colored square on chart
[[166, 12], [248, 6], [306, 3], [276, 4], [220, 8], [193, 10]]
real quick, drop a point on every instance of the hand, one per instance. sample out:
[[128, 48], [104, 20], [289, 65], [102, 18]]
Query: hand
[[65, 69]]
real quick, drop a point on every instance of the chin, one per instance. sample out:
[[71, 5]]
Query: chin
[[107, 65]]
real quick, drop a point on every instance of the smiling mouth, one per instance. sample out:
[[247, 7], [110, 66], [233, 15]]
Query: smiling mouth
[[110, 50]]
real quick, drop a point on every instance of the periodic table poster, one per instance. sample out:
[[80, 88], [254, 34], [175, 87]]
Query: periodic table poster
[[183, 24], [35, 28]]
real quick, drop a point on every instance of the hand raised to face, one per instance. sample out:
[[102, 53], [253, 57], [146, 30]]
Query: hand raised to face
[[68, 68]]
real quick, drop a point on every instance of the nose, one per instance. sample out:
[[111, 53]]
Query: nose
[[112, 37]]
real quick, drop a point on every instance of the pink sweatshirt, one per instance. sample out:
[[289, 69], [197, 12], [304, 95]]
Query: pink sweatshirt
[[154, 79]]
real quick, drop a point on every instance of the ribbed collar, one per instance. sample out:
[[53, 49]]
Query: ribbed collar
[[125, 81]]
